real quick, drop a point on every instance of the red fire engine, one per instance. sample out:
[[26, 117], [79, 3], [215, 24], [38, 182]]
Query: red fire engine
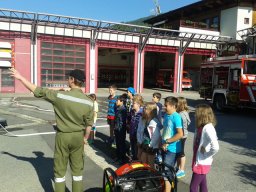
[[165, 78], [229, 81]]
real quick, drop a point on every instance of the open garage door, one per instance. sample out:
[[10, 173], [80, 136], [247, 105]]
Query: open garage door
[[115, 66], [191, 66], [158, 70]]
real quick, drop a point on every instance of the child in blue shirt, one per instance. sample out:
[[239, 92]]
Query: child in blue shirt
[[172, 133], [111, 112]]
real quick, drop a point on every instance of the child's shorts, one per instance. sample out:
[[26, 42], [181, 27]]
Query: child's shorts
[[182, 153], [111, 122]]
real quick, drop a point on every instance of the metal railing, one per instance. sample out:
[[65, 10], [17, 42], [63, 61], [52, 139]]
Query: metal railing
[[51, 20]]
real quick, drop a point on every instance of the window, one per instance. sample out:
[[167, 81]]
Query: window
[[215, 22], [57, 60], [207, 22], [246, 20], [250, 67], [6, 79]]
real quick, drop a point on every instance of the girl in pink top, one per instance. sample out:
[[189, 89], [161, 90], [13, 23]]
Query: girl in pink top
[[205, 147]]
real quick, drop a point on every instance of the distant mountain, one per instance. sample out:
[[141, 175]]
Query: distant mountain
[[132, 29], [140, 21]]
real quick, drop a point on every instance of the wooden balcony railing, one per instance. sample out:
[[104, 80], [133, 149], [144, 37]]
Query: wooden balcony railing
[[198, 25]]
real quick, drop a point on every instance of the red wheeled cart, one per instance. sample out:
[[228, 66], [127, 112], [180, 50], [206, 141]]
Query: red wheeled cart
[[137, 177]]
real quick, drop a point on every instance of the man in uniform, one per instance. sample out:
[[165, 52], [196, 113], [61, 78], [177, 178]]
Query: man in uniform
[[74, 112]]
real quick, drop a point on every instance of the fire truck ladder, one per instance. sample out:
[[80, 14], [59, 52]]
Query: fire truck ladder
[[248, 32]]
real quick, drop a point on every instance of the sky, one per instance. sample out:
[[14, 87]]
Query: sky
[[105, 10]]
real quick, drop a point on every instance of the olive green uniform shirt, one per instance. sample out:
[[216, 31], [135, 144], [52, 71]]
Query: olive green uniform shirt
[[73, 109]]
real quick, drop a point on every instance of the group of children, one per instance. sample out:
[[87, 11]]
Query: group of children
[[149, 130]]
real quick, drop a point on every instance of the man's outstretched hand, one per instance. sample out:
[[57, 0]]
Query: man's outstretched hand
[[14, 73]]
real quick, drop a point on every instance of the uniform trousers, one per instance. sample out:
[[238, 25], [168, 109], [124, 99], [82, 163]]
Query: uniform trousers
[[69, 147]]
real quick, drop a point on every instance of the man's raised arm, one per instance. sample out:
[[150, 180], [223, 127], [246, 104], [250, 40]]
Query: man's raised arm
[[14, 73]]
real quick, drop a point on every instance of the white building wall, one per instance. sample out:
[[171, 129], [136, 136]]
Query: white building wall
[[228, 22], [233, 19], [243, 12], [111, 36]]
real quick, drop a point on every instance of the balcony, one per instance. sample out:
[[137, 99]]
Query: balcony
[[198, 25]]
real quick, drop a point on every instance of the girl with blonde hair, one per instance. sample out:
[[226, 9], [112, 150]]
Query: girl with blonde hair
[[136, 114], [182, 109], [205, 147], [148, 134]]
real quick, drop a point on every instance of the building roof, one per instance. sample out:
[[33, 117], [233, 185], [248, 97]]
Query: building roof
[[42, 23], [187, 11]]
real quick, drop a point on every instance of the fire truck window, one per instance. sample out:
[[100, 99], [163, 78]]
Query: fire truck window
[[250, 67]]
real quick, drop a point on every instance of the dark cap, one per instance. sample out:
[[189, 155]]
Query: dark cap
[[77, 74]]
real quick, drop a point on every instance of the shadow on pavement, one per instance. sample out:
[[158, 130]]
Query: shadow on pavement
[[94, 190], [247, 172], [103, 146], [106, 148], [43, 166]]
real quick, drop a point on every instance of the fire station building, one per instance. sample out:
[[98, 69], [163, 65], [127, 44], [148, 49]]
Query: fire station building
[[45, 47]]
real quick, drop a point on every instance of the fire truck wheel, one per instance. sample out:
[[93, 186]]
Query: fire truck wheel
[[219, 102]]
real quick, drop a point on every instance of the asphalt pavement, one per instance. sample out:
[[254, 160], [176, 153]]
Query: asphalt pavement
[[27, 150], [27, 160]]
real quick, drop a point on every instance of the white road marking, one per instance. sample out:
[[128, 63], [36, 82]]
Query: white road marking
[[101, 118], [34, 107], [23, 125], [24, 135], [23, 116], [99, 126]]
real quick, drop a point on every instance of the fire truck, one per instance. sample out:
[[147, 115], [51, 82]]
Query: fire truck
[[229, 81], [165, 78]]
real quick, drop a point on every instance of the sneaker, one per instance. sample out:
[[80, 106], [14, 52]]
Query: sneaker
[[180, 174], [113, 145]]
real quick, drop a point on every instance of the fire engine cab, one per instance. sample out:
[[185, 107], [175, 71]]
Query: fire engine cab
[[229, 81]]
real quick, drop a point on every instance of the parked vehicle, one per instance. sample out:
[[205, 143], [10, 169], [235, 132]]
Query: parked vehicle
[[165, 78], [229, 81]]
